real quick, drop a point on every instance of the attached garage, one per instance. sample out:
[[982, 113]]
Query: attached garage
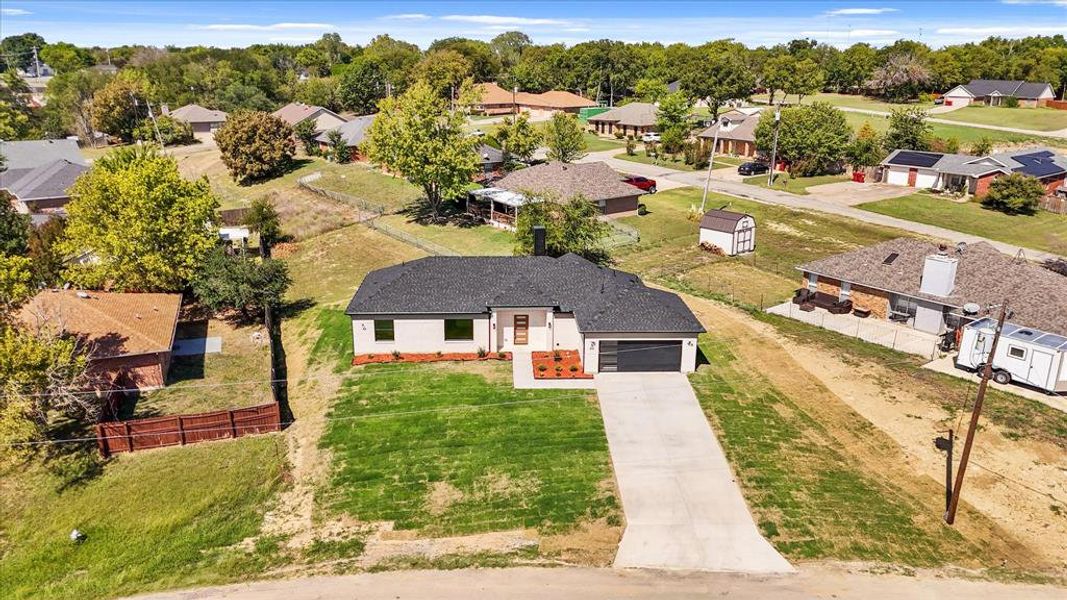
[[896, 176], [626, 356]]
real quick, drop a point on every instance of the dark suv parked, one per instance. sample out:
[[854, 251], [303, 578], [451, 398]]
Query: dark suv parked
[[753, 168]]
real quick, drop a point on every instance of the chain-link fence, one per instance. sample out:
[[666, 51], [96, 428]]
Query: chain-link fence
[[367, 210], [872, 329]]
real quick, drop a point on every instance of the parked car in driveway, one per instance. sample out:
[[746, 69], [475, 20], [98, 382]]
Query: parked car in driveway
[[650, 137], [644, 183], [753, 168]]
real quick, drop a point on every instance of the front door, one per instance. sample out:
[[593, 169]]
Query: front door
[[522, 330]]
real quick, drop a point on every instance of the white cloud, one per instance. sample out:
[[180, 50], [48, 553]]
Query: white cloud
[[1052, 2], [408, 17], [1002, 30], [296, 39], [272, 27], [856, 33], [499, 20], [859, 11], [14, 12]]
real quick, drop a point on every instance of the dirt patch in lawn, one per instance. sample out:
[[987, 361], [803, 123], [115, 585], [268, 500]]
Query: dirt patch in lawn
[[441, 497], [592, 543]]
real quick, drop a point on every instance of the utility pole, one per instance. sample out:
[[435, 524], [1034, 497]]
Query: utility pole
[[987, 374], [774, 146], [155, 126], [711, 165]]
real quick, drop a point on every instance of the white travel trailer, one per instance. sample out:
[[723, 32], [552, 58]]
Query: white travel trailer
[[1023, 355]]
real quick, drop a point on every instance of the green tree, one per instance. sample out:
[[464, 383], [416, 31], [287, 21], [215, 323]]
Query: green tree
[[262, 219], [147, 227], [317, 91], [1014, 194], [70, 96], [417, 136], [239, 283], [396, 58], [776, 74], [518, 137], [983, 146], [716, 77], [65, 57], [16, 284], [564, 138], [313, 60], [17, 50], [650, 90], [571, 226], [806, 78], [902, 77], [442, 70], [305, 132], [14, 226], [339, 151], [508, 47], [118, 107], [361, 86], [171, 130], [255, 145], [866, 150], [43, 250], [908, 130], [812, 138]]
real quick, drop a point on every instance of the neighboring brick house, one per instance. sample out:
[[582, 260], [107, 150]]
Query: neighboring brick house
[[128, 336], [495, 100], [295, 112], [202, 120], [926, 286], [635, 118], [736, 130], [354, 133], [966, 174]]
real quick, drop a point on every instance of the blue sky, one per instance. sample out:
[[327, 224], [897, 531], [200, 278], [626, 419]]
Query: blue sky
[[753, 22]]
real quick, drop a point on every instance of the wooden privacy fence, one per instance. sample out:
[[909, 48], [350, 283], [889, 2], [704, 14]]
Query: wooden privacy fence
[[178, 430]]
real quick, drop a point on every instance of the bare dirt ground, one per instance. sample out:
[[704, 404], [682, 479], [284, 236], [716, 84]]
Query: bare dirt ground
[[1023, 503]]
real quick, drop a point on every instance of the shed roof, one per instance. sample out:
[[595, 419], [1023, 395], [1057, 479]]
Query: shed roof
[[595, 181], [721, 220]]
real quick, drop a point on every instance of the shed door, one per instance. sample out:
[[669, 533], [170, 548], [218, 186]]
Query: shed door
[[1040, 368], [637, 356], [745, 240]]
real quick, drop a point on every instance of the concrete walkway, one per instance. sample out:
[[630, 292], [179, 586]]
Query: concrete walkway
[[809, 202], [523, 375], [683, 507], [947, 365]]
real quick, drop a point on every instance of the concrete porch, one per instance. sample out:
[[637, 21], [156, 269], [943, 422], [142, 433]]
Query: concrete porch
[[876, 331]]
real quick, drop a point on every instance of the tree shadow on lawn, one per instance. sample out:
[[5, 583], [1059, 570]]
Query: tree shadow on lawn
[[451, 212]]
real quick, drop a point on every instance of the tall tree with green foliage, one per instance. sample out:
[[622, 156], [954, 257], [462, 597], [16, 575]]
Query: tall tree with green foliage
[[443, 71], [362, 84], [65, 57], [908, 130], [811, 138], [16, 284], [339, 151], [171, 130], [902, 77], [417, 136], [518, 137], [147, 227], [1014, 194], [262, 219], [983, 146], [650, 90], [717, 76], [564, 138], [118, 107], [866, 150], [47, 262], [255, 145], [571, 225], [241, 283], [305, 132], [806, 79], [14, 226]]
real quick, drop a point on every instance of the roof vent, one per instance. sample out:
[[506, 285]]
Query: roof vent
[[961, 248], [971, 308]]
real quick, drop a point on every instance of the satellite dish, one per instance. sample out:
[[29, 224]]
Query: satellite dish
[[971, 308]]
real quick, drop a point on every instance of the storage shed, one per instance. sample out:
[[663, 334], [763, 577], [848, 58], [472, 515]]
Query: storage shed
[[733, 232]]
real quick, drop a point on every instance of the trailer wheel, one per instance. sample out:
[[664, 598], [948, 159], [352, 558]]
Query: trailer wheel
[[1002, 377]]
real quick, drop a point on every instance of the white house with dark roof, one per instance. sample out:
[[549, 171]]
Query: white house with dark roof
[[995, 92], [524, 303], [966, 174]]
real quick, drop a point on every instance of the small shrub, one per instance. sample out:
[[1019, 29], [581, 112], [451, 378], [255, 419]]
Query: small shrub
[[712, 248], [694, 214], [396, 355], [542, 368], [1011, 102], [1014, 194], [559, 370], [501, 355], [439, 354], [642, 209], [481, 352], [370, 356], [574, 368], [556, 356], [631, 147], [619, 134], [926, 98]]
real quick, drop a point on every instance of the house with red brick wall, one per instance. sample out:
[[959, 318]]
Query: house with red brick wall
[[971, 175], [735, 131]]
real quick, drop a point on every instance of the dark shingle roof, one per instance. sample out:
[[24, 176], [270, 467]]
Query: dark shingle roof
[[721, 220], [27, 154], [352, 132], [595, 181], [603, 300], [51, 180], [1020, 89], [983, 275]]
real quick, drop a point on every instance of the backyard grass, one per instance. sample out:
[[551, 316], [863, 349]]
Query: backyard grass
[[966, 135], [1041, 231], [845, 100], [1038, 119], [363, 182], [464, 239], [152, 520], [807, 480], [668, 253], [453, 448], [799, 185], [595, 143]]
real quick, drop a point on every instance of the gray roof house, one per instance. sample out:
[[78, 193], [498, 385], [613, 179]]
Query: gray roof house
[[28, 154], [202, 120], [632, 118], [44, 187], [295, 112], [971, 174], [353, 132], [524, 303], [994, 91], [926, 285], [736, 131]]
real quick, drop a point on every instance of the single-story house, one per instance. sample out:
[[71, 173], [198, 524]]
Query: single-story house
[[596, 182], [105, 68], [490, 162], [926, 286], [962, 173], [733, 232], [42, 189], [128, 336], [635, 118], [994, 92], [736, 131], [202, 120], [354, 132], [496, 100], [28, 154], [524, 303], [295, 112]]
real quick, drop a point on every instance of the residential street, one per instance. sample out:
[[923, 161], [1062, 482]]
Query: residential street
[[809, 202], [533, 583]]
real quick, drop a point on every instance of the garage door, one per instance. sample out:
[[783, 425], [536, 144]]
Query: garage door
[[646, 355], [897, 176]]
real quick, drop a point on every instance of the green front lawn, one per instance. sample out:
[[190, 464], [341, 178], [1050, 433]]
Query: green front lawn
[[661, 161], [845, 100], [786, 183], [595, 143], [453, 448], [153, 520], [1042, 231], [1039, 119], [966, 135]]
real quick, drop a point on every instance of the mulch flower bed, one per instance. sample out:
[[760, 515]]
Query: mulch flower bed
[[411, 357], [560, 364]]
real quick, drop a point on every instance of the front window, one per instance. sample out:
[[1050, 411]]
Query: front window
[[459, 330], [383, 331]]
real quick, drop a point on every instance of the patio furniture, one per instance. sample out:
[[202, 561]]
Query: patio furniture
[[862, 313], [827, 302]]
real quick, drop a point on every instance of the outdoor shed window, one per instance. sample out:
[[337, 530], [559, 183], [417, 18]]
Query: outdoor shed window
[[457, 330], [383, 330], [1016, 352]]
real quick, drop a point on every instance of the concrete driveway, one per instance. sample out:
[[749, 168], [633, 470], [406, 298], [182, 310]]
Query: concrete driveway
[[683, 507], [850, 193]]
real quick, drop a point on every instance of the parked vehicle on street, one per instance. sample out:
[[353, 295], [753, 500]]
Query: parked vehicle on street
[[649, 185], [753, 168], [650, 137]]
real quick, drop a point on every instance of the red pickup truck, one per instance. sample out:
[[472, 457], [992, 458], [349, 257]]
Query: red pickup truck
[[649, 185]]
